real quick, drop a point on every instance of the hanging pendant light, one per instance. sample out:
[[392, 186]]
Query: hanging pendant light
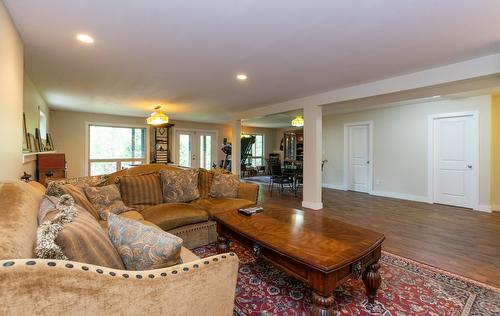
[[157, 117], [298, 121]]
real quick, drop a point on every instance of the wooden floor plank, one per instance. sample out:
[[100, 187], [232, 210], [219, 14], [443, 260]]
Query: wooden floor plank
[[454, 239]]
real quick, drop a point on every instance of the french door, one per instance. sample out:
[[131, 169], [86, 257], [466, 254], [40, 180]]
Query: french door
[[195, 149]]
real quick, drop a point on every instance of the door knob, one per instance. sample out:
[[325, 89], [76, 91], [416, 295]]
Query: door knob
[[469, 166], [368, 162]]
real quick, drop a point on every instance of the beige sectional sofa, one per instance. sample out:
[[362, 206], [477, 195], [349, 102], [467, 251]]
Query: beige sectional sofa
[[30, 286], [191, 221]]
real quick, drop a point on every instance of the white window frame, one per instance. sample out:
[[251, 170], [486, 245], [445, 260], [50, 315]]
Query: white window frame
[[263, 146], [118, 161]]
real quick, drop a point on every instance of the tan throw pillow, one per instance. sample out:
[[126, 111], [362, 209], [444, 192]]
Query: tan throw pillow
[[106, 200], [141, 191], [224, 186], [69, 232], [179, 185], [143, 247], [205, 178], [80, 198]]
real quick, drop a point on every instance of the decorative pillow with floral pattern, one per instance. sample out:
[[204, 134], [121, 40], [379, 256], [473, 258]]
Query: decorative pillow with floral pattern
[[224, 186], [179, 185], [54, 187], [143, 247], [106, 199]]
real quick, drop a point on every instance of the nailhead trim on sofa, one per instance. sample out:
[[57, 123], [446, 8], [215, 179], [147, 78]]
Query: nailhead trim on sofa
[[108, 272]]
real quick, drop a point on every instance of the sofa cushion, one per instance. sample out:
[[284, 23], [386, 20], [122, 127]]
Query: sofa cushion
[[132, 215], [219, 205], [179, 185], [141, 191], [143, 247], [71, 232], [80, 198], [172, 215], [106, 200], [224, 186]]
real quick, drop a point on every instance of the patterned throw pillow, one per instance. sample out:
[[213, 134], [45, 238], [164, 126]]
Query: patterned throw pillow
[[106, 200], [54, 187], [69, 232], [143, 247], [224, 186], [179, 185], [140, 191]]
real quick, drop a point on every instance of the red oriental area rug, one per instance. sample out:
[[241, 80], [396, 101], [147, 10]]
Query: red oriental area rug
[[408, 288]]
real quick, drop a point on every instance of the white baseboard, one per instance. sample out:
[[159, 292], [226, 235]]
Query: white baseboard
[[312, 205], [402, 196], [334, 186], [483, 208]]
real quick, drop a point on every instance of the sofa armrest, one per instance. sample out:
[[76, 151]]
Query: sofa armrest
[[248, 191], [59, 287]]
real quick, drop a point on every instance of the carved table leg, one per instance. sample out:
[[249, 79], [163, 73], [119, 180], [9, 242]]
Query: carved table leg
[[222, 244], [322, 305], [372, 280]]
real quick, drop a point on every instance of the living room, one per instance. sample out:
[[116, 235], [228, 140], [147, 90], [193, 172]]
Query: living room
[[373, 149]]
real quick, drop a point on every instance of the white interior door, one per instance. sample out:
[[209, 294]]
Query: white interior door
[[359, 157], [453, 161], [195, 149]]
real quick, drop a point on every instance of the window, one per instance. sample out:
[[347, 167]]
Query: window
[[113, 148], [257, 158]]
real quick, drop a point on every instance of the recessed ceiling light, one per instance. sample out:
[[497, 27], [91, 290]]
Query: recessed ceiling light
[[241, 77], [85, 38], [436, 96]]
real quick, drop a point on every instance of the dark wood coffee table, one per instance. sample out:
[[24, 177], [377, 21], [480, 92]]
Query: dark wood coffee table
[[320, 251]]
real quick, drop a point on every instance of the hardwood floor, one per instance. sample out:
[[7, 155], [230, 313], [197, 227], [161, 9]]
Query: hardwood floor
[[454, 239]]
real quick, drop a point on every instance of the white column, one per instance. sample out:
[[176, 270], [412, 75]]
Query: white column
[[236, 148], [312, 157]]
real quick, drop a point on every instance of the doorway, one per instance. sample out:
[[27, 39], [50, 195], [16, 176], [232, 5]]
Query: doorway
[[195, 148], [453, 159], [358, 156]]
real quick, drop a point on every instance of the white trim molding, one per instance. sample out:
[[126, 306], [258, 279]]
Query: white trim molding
[[370, 153], [312, 205], [402, 196], [475, 155], [334, 186], [483, 208]]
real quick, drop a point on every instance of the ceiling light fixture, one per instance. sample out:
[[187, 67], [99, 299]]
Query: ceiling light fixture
[[298, 121], [241, 77], [436, 96], [87, 39], [157, 117]]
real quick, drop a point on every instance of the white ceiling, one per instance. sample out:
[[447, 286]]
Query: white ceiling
[[186, 53]]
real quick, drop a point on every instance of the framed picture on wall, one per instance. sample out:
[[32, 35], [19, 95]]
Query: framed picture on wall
[[38, 139], [25, 135], [32, 143], [49, 144]]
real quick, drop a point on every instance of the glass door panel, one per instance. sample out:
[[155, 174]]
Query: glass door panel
[[185, 149], [205, 151]]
